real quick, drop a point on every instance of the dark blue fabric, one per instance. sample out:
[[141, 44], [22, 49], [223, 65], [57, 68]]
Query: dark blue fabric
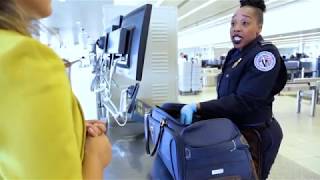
[[245, 94], [271, 137], [198, 150], [197, 134], [236, 55], [159, 171]]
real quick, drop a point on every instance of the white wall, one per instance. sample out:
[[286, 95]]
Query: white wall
[[292, 17]]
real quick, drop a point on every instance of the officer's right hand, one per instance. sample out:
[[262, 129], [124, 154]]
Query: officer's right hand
[[186, 113]]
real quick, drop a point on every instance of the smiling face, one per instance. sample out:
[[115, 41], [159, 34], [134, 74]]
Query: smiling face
[[35, 9], [245, 27]]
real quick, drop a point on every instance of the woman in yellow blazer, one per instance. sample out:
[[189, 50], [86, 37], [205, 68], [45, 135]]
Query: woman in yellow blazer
[[42, 131]]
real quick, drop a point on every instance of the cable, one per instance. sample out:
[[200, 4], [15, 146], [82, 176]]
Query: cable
[[117, 113], [102, 85]]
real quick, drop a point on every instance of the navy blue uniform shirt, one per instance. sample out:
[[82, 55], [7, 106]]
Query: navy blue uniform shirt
[[246, 87]]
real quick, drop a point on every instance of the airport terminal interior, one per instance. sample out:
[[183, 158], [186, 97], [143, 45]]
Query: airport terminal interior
[[127, 57]]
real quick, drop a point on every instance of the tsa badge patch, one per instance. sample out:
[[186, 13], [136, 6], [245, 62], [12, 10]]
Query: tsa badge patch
[[264, 61]]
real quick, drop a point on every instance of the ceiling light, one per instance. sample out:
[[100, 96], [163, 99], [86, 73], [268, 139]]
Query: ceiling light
[[295, 36], [222, 19], [196, 9], [212, 1]]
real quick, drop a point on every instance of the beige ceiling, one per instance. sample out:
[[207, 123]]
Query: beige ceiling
[[211, 11]]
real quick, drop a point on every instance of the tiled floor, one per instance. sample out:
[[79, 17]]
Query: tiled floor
[[301, 135], [298, 159]]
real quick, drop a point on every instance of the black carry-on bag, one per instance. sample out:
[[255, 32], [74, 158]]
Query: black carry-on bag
[[207, 149]]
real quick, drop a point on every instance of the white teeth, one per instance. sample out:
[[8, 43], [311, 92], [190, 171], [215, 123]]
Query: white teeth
[[237, 38]]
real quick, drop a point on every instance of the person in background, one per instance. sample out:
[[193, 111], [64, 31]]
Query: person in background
[[181, 57], [43, 134], [185, 57], [253, 73]]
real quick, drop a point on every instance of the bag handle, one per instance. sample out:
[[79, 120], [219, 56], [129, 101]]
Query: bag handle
[[162, 124]]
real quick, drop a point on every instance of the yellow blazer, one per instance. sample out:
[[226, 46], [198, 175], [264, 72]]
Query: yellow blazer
[[42, 130]]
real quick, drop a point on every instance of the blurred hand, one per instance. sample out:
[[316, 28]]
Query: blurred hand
[[186, 113], [95, 128], [98, 150]]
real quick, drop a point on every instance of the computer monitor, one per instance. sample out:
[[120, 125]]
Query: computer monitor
[[102, 42], [137, 23], [115, 23], [116, 43]]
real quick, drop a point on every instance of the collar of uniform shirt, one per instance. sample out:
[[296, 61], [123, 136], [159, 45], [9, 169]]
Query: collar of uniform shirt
[[249, 46]]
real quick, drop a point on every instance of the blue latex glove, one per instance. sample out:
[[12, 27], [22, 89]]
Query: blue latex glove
[[186, 113]]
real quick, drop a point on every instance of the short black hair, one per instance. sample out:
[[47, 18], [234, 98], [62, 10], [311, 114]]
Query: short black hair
[[258, 5]]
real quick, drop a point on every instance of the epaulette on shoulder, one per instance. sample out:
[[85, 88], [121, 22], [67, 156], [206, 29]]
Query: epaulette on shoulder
[[264, 43]]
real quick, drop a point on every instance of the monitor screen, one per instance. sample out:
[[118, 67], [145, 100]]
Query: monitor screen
[[117, 41], [137, 23]]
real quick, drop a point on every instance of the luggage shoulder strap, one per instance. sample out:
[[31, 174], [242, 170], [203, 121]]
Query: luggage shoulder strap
[[163, 123]]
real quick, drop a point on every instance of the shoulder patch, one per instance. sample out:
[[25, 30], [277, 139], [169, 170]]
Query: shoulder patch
[[264, 61]]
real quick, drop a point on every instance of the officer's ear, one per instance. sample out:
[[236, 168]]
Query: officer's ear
[[259, 29]]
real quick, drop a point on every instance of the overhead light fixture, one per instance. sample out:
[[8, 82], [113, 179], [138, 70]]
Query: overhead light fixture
[[212, 1], [196, 9], [223, 18], [297, 40], [295, 36], [206, 25]]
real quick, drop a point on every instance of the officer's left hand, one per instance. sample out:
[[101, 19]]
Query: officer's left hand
[[186, 113]]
